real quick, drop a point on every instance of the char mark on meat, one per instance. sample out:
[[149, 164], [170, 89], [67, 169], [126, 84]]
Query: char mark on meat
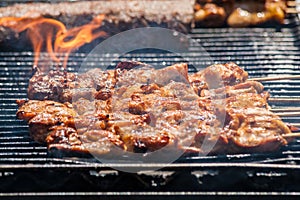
[[146, 109]]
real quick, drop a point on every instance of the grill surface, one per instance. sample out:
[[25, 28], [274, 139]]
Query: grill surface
[[265, 51]]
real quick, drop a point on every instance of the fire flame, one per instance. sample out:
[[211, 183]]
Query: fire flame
[[52, 36]]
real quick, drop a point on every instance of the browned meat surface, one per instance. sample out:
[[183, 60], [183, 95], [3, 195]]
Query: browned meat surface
[[247, 13], [92, 141], [214, 111], [249, 126], [255, 129], [51, 85], [42, 115], [252, 126], [217, 76], [62, 86], [239, 13], [228, 91], [151, 110], [210, 15]]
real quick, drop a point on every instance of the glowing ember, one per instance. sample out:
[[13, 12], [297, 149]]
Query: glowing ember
[[52, 36]]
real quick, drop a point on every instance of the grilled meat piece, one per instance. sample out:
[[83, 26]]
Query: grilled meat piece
[[249, 13], [251, 100], [51, 85], [142, 99], [61, 127], [239, 13], [227, 91], [210, 15], [149, 109], [42, 115], [67, 139], [243, 99], [217, 76], [252, 125], [255, 130], [63, 86], [136, 134]]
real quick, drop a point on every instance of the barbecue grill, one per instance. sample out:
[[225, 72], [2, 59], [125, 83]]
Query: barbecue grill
[[27, 170]]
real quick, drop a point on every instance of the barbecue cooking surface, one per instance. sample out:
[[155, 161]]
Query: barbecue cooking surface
[[261, 51]]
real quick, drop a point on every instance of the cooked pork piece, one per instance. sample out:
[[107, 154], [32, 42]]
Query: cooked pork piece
[[252, 125], [255, 130], [42, 115], [151, 115], [251, 100], [249, 126], [96, 141], [212, 12], [148, 109], [227, 91], [249, 13], [239, 13], [62, 86], [61, 127], [51, 85], [217, 76]]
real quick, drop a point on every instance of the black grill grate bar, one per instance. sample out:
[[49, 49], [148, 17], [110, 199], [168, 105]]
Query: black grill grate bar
[[14, 143], [221, 51], [8, 115], [245, 50], [220, 42], [264, 48], [263, 32], [31, 147], [12, 138], [8, 127], [266, 52], [278, 66], [261, 51], [23, 154]]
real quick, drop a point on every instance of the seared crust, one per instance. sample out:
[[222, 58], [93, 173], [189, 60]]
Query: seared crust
[[149, 109], [239, 13], [43, 115]]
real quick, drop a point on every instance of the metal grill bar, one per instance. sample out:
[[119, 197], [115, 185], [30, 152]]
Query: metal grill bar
[[261, 51], [264, 51]]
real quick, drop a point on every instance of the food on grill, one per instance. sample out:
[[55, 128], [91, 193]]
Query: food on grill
[[119, 15], [43, 115], [212, 13], [60, 86], [239, 13], [145, 109]]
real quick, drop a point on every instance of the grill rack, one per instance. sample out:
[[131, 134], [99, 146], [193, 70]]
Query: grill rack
[[263, 51]]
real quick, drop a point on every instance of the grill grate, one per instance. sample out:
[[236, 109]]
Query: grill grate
[[264, 51]]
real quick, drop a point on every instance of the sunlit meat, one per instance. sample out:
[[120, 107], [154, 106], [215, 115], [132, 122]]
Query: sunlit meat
[[239, 13], [149, 109]]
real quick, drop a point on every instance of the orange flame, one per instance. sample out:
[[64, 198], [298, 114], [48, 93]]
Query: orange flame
[[52, 35]]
